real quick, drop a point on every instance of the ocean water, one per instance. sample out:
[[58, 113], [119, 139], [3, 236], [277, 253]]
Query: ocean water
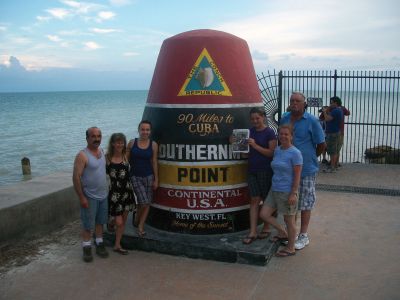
[[49, 128], [374, 120]]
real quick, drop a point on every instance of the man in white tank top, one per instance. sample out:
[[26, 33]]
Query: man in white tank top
[[90, 183]]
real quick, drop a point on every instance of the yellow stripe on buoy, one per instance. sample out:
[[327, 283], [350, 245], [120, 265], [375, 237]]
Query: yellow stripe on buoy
[[202, 175]]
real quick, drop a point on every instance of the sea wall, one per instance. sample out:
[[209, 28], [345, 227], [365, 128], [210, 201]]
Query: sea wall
[[37, 206]]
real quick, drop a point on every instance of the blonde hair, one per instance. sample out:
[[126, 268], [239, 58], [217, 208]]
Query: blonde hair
[[286, 126]]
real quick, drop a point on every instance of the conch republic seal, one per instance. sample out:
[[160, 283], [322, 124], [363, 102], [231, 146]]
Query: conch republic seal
[[203, 87]]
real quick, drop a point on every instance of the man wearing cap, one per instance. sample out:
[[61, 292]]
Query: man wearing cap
[[309, 138]]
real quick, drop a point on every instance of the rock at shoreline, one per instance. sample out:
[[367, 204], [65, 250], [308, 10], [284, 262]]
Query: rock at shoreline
[[383, 155], [393, 157]]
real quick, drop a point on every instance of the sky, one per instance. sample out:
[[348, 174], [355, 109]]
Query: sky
[[68, 45]]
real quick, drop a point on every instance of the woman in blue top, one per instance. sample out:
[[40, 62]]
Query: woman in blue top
[[283, 196], [142, 155], [262, 143]]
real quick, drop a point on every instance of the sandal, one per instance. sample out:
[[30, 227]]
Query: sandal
[[121, 251], [278, 238], [263, 235], [249, 239], [284, 253], [141, 233]]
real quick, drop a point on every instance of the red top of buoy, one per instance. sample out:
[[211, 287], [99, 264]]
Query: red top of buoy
[[204, 67]]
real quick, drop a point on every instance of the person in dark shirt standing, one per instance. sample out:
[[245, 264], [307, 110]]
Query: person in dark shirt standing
[[333, 120], [142, 156], [262, 144], [346, 113]]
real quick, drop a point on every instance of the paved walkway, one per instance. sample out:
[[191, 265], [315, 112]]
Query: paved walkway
[[353, 254]]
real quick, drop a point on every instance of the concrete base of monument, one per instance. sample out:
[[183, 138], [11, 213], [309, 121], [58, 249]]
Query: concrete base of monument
[[218, 247]]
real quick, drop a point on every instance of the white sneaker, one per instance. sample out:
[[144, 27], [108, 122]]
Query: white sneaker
[[301, 242]]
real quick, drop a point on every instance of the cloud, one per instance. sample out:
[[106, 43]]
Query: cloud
[[73, 4], [105, 15], [28, 63], [57, 39], [120, 2], [19, 40], [13, 64], [91, 46], [318, 33], [131, 54], [258, 55], [73, 9], [53, 38], [16, 77], [59, 13], [83, 7], [3, 28], [4, 60], [43, 19], [103, 30], [73, 33]]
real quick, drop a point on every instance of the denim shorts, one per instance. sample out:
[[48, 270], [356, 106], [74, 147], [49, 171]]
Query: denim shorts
[[97, 213]]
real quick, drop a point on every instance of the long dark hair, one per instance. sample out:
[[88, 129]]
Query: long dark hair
[[145, 122]]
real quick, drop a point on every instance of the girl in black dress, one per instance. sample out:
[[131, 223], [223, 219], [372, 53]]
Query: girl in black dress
[[120, 197]]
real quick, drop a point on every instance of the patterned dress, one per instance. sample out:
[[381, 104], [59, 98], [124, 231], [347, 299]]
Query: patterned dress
[[120, 197]]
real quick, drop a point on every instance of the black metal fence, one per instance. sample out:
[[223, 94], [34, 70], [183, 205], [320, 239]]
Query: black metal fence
[[372, 97]]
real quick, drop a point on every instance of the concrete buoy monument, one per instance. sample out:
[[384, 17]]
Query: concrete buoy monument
[[203, 87]]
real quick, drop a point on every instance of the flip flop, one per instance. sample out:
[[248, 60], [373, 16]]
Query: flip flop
[[141, 233], [284, 253], [121, 251], [263, 235], [278, 238], [249, 239]]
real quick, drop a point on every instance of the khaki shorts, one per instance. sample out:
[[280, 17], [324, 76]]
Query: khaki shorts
[[333, 143], [341, 138], [279, 200]]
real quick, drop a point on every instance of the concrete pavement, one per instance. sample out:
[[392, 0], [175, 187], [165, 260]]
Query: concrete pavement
[[353, 254]]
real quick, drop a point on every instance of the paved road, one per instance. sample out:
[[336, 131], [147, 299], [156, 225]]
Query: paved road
[[353, 254]]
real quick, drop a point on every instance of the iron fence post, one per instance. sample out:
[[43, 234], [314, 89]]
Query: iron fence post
[[335, 77], [280, 79]]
